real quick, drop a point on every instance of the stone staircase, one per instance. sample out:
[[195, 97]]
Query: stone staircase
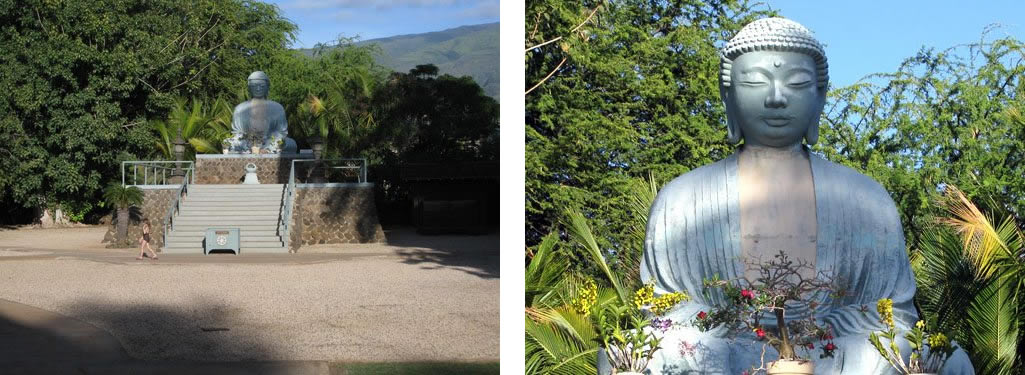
[[254, 209]]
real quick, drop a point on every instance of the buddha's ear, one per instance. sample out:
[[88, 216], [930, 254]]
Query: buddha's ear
[[811, 136], [733, 133]]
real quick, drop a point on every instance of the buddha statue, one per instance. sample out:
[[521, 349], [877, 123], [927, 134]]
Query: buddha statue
[[260, 122], [771, 195]]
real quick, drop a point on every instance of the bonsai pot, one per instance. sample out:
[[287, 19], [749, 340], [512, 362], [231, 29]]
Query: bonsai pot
[[788, 367]]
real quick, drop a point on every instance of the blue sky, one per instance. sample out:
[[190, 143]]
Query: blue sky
[[864, 37], [322, 21]]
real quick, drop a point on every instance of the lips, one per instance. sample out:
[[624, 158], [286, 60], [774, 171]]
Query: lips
[[777, 121]]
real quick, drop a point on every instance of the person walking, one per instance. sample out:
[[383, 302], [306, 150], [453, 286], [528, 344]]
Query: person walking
[[144, 242]]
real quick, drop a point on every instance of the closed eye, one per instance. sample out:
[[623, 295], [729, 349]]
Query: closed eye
[[799, 84]]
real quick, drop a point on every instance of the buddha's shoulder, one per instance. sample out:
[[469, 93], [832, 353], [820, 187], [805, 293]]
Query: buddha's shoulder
[[846, 178], [269, 104], [709, 175]]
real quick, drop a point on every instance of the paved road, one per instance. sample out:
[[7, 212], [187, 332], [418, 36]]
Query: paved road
[[413, 299]]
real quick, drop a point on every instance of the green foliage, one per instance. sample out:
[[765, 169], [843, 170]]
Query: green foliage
[[120, 196], [971, 279], [200, 127], [424, 117], [82, 78], [571, 312], [950, 117], [637, 95]]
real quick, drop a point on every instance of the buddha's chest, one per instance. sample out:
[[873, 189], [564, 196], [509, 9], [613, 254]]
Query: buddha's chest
[[777, 208]]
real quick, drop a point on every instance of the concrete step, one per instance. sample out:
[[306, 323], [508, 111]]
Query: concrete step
[[242, 250], [236, 186], [240, 208], [177, 238], [243, 245], [202, 228], [243, 233], [199, 212], [225, 217], [234, 197]]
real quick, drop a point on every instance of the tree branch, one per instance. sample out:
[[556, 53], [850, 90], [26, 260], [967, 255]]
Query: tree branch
[[548, 76]]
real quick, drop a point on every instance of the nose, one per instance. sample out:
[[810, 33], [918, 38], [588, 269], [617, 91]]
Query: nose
[[775, 98]]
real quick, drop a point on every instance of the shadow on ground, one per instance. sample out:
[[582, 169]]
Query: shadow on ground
[[476, 255], [149, 339]]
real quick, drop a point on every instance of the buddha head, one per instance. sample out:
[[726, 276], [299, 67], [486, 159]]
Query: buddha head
[[259, 85], [773, 81]]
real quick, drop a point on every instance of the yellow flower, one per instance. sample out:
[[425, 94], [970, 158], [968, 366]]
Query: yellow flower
[[885, 309], [666, 302], [645, 295], [920, 324], [587, 298], [938, 340]]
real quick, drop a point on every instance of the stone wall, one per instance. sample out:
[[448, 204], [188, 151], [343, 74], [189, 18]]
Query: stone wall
[[335, 213], [154, 207], [231, 168]]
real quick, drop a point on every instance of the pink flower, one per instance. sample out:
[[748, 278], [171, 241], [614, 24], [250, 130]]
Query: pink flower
[[830, 347], [747, 294], [760, 333], [702, 315]]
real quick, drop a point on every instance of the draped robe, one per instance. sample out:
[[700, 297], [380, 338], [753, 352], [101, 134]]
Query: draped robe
[[264, 117], [694, 233]]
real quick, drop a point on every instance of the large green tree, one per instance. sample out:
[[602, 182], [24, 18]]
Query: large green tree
[[79, 80], [631, 91], [945, 117]]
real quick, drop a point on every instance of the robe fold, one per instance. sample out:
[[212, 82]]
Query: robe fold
[[694, 233]]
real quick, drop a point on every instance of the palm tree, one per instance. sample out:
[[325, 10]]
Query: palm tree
[[122, 197], [202, 130], [559, 338], [971, 276]]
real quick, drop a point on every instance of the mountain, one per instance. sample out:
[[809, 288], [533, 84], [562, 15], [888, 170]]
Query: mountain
[[461, 51]]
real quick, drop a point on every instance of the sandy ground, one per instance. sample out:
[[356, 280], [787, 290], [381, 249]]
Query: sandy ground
[[414, 298]]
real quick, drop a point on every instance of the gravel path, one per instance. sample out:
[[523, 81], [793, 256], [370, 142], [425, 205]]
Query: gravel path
[[397, 306]]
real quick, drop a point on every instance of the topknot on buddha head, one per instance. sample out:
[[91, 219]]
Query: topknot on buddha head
[[258, 75], [774, 34]]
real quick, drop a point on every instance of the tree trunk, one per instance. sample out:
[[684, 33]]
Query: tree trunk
[[51, 219], [122, 226], [786, 349]]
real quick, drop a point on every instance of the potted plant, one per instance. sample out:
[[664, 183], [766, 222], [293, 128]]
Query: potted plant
[[628, 331], [922, 361], [779, 286]]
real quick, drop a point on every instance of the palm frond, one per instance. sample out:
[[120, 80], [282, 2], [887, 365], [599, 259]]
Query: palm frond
[[581, 234], [981, 240], [551, 350], [994, 327]]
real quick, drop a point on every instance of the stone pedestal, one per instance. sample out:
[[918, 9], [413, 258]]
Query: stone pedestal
[[231, 168]]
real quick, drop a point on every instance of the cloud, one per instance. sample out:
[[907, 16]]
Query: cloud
[[486, 9]]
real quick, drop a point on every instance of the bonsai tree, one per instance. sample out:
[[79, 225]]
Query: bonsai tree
[[122, 198], [780, 285]]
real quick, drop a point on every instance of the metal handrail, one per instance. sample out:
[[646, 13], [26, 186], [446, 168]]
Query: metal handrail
[[159, 168], [284, 229], [176, 205]]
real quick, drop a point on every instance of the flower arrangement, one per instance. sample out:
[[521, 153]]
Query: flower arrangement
[[940, 347], [628, 330], [779, 286]]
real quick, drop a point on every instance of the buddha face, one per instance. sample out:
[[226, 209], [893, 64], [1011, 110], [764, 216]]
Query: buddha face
[[773, 98], [258, 88]]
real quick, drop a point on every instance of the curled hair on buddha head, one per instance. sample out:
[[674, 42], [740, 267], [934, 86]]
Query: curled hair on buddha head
[[773, 34]]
